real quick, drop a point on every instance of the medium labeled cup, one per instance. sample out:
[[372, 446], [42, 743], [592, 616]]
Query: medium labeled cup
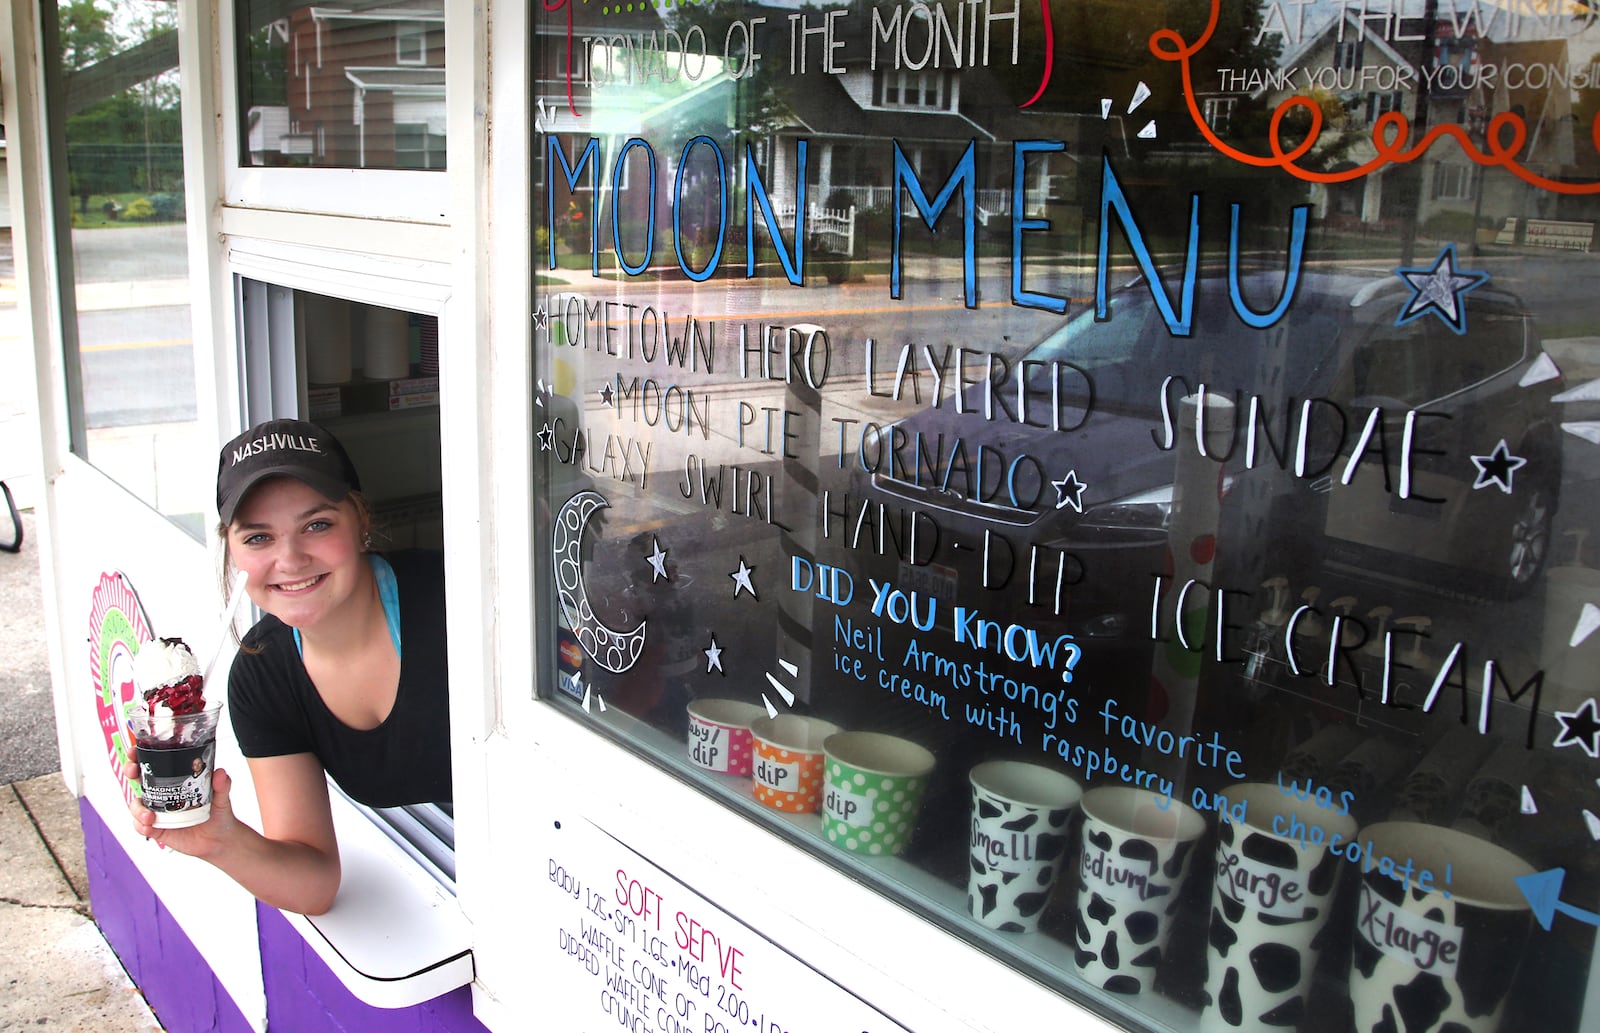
[[873, 789], [1440, 958], [176, 754], [1134, 860], [789, 761], [1020, 814], [719, 735], [1275, 884]]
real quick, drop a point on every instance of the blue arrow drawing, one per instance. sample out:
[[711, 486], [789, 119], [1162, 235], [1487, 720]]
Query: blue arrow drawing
[[1543, 890]]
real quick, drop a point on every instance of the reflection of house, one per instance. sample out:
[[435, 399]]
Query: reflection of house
[[630, 85], [854, 119], [365, 89], [1465, 77]]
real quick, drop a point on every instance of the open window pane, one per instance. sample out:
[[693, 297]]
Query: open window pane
[[130, 349]]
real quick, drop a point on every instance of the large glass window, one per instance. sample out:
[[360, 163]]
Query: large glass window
[[1172, 573], [357, 85], [130, 348]]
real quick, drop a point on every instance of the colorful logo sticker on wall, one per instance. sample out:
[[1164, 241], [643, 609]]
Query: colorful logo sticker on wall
[[117, 627]]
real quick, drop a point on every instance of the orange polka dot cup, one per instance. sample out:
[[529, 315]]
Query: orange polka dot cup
[[789, 761]]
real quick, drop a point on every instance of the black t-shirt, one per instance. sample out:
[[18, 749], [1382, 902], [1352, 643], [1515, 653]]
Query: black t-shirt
[[277, 712]]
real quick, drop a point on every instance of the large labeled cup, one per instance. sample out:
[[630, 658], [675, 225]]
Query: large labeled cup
[[1137, 848], [1429, 954], [1020, 814], [1275, 883], [789, 761], [176, 754], [719, 735], [872, 791]]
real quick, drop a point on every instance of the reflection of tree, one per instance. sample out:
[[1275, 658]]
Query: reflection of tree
[[758, 104], [131, 126]]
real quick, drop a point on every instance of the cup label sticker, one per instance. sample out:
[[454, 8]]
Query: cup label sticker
[[1430, 946], [708, 747], [779, 776], [1008, 850], [1114, 877], [851, 808], [1260, 887]]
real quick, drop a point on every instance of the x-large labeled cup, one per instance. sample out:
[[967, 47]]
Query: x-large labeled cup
[[1134, 860], [1441, 958]]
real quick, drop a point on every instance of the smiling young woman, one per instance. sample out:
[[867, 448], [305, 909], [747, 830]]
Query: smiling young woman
[[345, 675]]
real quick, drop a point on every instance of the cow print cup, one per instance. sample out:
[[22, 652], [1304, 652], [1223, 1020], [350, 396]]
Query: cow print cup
[[1269, 907], [1425, 962], [1020, 814], [1133, 862]]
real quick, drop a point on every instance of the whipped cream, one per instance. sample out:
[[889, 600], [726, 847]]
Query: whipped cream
[[164, 661]]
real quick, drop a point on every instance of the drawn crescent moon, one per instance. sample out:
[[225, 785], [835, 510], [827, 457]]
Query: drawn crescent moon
[[616, 651]]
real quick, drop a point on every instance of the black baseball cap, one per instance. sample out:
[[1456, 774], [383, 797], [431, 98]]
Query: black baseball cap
[[283, 448]]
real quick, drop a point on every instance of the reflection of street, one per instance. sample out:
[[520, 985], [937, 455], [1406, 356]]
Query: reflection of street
[[136, 360]]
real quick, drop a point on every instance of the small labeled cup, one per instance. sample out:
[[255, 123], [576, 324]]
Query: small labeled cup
[[719, 735], [1136, 853], [176, 754], [1275, 884], [789, 761], [1451, 946], [1020, 814], [873, 788]]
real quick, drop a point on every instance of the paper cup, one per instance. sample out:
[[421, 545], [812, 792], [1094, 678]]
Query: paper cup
[[1020, 814], [719, 735], [1269, 907], [1423, 961], [789, 761], [1134, 860], [176, 757], [873, 788]]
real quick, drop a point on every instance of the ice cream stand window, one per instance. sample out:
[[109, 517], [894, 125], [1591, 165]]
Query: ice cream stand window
[[1175, 587]]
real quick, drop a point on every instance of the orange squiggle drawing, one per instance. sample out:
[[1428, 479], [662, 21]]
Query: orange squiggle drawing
[[1391, 131]]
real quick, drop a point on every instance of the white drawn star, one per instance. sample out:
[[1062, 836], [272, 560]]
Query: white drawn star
[[714, 657], [541, 318], [741, 579], [658, 561], [1069, 491], [606, 394], [1439, 289], [547, 439], [1581, 728], [1497, 467]]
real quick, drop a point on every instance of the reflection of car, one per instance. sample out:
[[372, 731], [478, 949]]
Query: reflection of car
[[1418, 496]]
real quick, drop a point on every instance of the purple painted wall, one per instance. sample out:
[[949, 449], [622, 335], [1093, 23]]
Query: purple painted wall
[[161, 960], [303, 995]]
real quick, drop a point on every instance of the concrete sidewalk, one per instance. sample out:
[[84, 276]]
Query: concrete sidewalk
[[61, 975]]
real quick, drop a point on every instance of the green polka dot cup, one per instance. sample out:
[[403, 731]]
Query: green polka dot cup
[[872, 789]]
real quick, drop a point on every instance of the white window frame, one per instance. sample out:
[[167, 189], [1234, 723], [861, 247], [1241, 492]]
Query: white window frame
[[1219, 112], [409, 195], [413, 37]]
